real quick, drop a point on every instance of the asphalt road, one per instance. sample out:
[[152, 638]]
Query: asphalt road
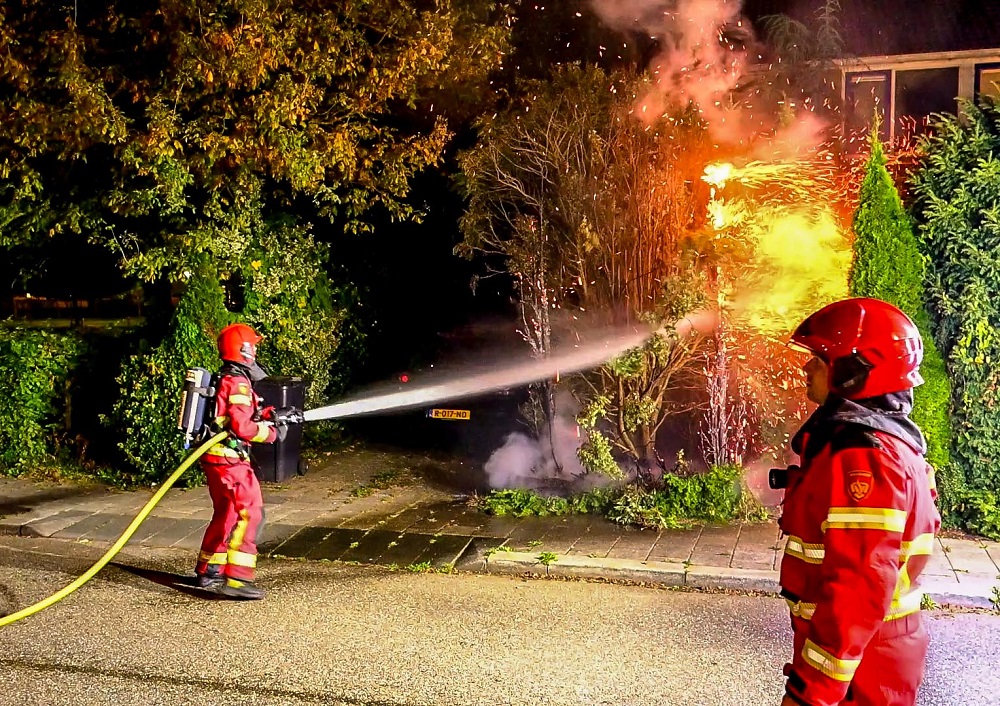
[[364, 636]]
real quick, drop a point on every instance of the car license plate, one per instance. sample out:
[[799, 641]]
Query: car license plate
[[458, 414]]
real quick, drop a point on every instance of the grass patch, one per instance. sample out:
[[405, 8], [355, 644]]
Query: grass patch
[[677, 501]]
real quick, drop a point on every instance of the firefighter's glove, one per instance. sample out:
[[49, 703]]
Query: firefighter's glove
[[287, 415], [267, 414]]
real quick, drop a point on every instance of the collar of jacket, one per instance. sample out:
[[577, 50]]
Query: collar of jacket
[[253, 373], [885, 413]]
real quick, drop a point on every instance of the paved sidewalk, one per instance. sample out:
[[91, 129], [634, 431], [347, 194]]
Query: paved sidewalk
[[334, 514]]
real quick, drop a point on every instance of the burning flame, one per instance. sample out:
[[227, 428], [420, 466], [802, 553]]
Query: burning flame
[[718, 174], [801, 262], [797, 255]]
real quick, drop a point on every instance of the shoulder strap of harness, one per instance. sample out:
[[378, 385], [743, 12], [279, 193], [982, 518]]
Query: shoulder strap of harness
[[840, 436]]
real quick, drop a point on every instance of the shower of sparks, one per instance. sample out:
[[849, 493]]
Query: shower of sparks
[[802, 179]]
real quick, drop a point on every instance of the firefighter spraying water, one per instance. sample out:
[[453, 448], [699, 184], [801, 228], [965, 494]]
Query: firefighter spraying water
[[228, 558], [222, 413]]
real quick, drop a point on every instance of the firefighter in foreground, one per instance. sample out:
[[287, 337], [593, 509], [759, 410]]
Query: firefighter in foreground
[[859, 513], [228, 557]]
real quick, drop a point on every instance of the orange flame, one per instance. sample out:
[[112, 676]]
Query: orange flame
[[796, 255], [718, 174]]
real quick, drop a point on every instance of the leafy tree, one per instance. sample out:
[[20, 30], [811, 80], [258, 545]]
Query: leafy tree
[[888, 265], [957, 205], [166, 129], [189, 136], [150, 380], [303, 316], [799, 42], [801, 50]]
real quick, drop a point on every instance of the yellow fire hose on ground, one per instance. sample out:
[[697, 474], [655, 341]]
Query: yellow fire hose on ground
[[121, 542]]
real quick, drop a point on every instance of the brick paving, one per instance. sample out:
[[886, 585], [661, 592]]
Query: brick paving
[[320, 516]]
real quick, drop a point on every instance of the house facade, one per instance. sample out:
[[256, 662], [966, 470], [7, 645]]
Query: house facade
[[904, 59], [905, 89]]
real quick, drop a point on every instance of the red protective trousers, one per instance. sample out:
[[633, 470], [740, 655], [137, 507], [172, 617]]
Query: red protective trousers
[[230, 545], [893, 666]]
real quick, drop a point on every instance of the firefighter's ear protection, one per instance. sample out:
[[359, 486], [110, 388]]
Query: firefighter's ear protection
[[849, 372]]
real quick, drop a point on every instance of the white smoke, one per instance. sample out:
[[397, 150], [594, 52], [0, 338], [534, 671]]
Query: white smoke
[[551, 461], [526, 462], [695, 63]]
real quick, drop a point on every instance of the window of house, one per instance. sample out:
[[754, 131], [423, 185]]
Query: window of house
[[919, 93], [866, 93], [988, 80]]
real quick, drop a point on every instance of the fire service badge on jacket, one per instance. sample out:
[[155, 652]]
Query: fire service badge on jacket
[[860, 484]]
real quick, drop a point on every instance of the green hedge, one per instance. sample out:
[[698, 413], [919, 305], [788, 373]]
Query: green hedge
[[145, 417], [36, 372], [957, 205]]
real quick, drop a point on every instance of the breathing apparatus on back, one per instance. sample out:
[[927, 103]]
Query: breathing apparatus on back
[[197, 405]]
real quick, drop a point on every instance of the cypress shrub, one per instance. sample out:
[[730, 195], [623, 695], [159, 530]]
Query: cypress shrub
[[888, 265]]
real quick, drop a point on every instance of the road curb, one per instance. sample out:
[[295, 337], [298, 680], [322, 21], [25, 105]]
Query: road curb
[[663, 573], [676, 574], [736, 579], [957, 600], [975, 594]]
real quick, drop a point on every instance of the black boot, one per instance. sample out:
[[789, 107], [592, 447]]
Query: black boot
[[210, 583], [241, 590]]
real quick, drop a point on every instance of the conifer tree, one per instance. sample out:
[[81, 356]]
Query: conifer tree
[[888, 265]]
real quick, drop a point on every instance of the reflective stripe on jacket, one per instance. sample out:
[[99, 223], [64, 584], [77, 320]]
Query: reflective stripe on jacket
[[861, 523]]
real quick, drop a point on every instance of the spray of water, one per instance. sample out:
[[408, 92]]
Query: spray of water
[[584, 356]]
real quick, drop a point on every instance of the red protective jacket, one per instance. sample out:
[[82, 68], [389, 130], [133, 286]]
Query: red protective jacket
[[860, 517], [236, 410]]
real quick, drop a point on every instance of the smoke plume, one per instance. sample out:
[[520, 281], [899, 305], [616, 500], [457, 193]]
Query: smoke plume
[[704, 58], [696, 63], [547, 463]]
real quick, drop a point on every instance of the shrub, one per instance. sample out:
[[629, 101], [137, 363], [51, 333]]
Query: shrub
[[289, 299], [145, 417], [517, 502], [310, 326], [36, 370], [977, 511], [957, 205], [713, 496], [888, 265]]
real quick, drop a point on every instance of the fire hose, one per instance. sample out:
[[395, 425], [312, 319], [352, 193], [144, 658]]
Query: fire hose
[[121, 541]]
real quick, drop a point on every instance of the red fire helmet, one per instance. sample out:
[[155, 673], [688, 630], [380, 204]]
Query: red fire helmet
[[238, 344], [872, 347]]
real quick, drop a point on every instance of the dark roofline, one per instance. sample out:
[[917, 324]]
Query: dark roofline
[[897, 27]]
